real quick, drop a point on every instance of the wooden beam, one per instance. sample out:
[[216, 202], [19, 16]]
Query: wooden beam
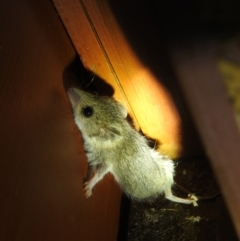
[[202, 84]]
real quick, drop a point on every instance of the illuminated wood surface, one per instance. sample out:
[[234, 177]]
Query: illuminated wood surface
[[104, 48]]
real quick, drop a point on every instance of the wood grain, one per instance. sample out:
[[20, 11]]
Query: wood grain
[[43, 163]]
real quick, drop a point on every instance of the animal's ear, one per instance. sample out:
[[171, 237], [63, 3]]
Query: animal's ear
[[123, 110], [73, 96], [111, 133]]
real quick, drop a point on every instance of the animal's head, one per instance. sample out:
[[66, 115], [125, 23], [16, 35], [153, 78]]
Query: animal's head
[[97, 117]]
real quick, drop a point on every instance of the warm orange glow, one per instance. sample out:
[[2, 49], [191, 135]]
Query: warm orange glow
[[106, 51], [155, 110]]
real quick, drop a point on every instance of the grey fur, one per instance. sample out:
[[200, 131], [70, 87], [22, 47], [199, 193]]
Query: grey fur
[[113, 145]]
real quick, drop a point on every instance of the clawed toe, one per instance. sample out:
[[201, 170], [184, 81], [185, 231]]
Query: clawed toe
[[88, 190]]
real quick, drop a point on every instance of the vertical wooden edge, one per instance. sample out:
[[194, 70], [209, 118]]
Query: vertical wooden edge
[[203, 87]]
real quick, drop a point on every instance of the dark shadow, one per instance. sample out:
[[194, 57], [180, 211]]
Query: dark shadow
[[77, 75], [173, 20], [124, 218]]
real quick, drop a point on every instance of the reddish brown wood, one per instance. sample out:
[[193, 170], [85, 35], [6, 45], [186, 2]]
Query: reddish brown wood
[[88, 46], [42, 158]]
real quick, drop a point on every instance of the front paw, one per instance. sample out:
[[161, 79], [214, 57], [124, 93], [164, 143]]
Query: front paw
[[88, 190]]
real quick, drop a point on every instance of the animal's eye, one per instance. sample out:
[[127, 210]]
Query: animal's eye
[[87, 111]]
